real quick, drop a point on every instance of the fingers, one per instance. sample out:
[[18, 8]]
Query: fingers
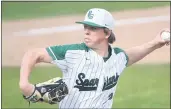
[[168, 43], [166, 29]]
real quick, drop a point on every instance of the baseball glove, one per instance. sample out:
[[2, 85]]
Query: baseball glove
[[51, 91]]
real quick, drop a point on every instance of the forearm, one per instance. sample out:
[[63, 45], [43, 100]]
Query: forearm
[[28, 62], [30, 59], [139, 52]]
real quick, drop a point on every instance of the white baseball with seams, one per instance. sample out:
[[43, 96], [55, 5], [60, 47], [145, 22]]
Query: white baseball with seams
[[165, 35]]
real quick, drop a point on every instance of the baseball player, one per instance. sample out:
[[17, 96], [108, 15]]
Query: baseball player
[[91, 69]]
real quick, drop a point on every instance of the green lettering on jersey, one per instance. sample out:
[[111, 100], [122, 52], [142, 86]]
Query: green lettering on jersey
[[118, 50], [58, 52]]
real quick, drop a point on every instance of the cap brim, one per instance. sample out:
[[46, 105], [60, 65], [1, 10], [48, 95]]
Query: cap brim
[[89, 23]]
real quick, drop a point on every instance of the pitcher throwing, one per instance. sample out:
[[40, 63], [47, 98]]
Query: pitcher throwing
[[91, 69]]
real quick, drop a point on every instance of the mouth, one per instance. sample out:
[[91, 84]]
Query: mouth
[[87, 40]]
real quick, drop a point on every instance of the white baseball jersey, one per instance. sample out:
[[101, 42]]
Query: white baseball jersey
[[91, 79]]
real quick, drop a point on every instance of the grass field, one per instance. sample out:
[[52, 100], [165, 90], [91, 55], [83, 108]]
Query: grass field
[[26, 10], [140, 86]]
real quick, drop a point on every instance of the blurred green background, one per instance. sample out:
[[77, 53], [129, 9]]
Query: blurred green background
[[26, 10], [140, 86]]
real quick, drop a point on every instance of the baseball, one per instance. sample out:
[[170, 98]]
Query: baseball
[[165, 35]]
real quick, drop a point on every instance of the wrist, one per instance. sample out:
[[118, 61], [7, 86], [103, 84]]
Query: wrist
[[27, 89], [154, 44], [23, 83]]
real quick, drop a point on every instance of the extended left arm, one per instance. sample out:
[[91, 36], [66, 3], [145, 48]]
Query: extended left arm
[[139, 52]]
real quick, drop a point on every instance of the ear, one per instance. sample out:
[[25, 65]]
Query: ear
[[108, 34]]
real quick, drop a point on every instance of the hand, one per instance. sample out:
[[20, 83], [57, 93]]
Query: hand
[[159, 41], [26, 88]]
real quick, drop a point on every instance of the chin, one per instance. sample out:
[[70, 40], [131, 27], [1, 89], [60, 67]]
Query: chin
[[90, 45]]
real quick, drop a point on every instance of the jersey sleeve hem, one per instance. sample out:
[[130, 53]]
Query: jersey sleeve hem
[[50, 52], [118, 50], [127, 58]]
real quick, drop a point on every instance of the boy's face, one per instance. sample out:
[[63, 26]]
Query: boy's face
[[93, 36]]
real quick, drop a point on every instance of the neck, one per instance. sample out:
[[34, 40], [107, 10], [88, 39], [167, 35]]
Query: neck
[[102, 49]]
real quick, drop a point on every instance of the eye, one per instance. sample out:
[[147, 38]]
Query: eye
[[85, 26], [93, 28]]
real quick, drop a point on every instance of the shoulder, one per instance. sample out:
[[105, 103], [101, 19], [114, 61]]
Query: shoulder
[[59, 51], [80, 46], [118, 50]]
